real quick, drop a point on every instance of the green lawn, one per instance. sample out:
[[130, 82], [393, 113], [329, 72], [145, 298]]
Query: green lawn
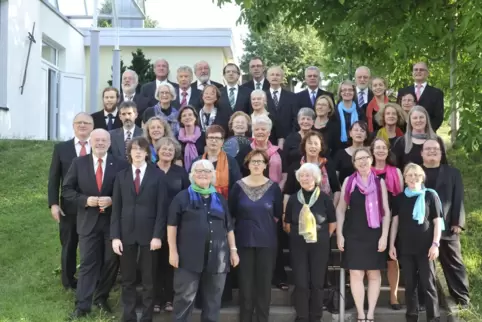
[[30, 290]]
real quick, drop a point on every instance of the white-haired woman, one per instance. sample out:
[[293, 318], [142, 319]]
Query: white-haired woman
[[201, 244], [408, 148], [165, 94], [292, 152], [311, 219], [260, 107]]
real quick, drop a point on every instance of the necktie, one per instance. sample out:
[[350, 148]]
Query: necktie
[[137, 180], [275, 98], [418, 92], [184, 98], [361, 99], [83, 149], [129, 98], [231, 97], [110, 121], [129, 137], [258, 85], [98, 174], [313, 98]]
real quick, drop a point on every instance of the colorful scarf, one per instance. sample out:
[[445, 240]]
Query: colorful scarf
[[354, 118], [171, 119], [418, 213], [325, 183], [306, 219], [153, 153], [392, 180], [373, 197], [202, 118], [195, 193], [222, 173], [383, 134], [274, 164], [373, 106], [190, 150]]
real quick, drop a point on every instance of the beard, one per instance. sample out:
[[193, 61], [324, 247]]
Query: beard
[[129, 88], [203, 78]]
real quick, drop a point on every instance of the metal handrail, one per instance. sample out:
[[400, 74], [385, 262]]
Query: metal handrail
[[342, 295]]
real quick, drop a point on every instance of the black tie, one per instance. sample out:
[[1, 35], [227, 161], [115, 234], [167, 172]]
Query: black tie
[[110, 121]]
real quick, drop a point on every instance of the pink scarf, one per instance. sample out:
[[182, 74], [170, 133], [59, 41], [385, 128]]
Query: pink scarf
[[373, 200], [190, 151], [392, 180], [274, 165]]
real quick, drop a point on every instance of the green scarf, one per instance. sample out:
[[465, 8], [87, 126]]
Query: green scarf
[[203, 191]]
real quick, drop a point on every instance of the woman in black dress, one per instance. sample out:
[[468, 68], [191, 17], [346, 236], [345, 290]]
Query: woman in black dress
[[343, 158], [363, 218], [291, 147], [211, 113], [418, 224], [392, 120], [326, 124], [347, 111]]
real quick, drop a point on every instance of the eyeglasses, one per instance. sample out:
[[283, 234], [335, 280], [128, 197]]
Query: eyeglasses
[[363, 158], [214, 138], [205, 171], [257, 162], [413, 175], [256, 66], [347, 90], [82, 123]]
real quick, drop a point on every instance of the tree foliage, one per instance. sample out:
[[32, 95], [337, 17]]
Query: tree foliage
[[389, 36], [142, 66]]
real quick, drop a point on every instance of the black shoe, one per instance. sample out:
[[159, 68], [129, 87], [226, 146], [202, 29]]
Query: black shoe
[[104, 306], [78, 313]]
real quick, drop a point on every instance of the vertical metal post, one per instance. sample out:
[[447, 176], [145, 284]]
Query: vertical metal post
[[342, 295], [94, 68], [116, 59]]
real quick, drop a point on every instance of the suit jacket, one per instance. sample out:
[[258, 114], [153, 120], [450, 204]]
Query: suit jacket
[[450, 189], [80, 184], [285, 113], [218, 85], [222, 117], [118, 144], [432, 99], [64, 153], [194, 99], [304, 97], [243, 100], [142, 103], [364, 106], [148, 90], [137, 218], [252, 86], [99, 121]]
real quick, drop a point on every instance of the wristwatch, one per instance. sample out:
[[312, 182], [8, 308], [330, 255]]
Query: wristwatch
[[436, 244]]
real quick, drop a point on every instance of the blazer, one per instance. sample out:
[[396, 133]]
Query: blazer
[[252, 86], [194, 99], [218, 85], [364, 106], [222, 117], [80, 184], [118, 144], [148, 90], [142, 103], [64, 153], [285, 113], [432, 99], [243, 100], [137, 218], [99, 120], [304, 97]]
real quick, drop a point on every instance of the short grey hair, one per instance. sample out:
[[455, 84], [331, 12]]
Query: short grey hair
[[171, 88], [306, 111], [84, 114], [136, 77], [276, 67], [312, 169], [365, 68], [259, 92], [199, 62], [158, 60], [262, 120], [202, 163], [316, 69], [185, 69], [169, 141]]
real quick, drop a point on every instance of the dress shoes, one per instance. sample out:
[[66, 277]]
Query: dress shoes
[[104, 306]]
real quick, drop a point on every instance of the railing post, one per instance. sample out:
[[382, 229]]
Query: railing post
[[342, 295]]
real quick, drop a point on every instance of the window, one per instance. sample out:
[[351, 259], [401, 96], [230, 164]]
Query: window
[[50, 53], [3, 54]]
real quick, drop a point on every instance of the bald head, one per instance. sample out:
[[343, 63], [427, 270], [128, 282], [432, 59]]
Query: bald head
[[431, 153], [420, 72], [362, 77], [100, 141], [83, 125]]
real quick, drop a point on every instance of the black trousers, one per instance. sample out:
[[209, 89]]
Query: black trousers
[[98, 265], [129, 265], [415, 266], [186, 285], [309, 262], [279, 275], [450, 257], [69, 240], [163, 276], [255, 274]]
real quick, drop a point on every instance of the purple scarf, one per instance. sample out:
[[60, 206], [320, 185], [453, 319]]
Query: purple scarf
[[373, 197], [190, 151]]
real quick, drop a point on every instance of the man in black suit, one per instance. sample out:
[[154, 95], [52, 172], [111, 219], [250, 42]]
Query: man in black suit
[[447, 181], [186, 95], [281, 103], [89, 184], [129, 130], [107, 118], [161, 69], [256, 69], [363, 92], [431, 98], [234, 97], [307, 97], [130, 80], [63, 212], [138, 223], [203, 75]]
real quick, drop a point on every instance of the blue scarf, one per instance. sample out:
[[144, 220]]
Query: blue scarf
[[419, 208], [195, 198], [153, 153], [171, 119], [354, 118]]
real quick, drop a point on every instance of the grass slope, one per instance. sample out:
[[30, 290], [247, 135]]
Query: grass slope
[[31, 291]]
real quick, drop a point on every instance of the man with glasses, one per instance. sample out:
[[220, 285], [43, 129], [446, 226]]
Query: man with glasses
[[363, 92], [234, 97], [427, 96], [256, 69], [63, 212]]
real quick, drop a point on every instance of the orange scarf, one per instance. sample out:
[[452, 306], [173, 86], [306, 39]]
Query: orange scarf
[[222, 173], [373, 106]]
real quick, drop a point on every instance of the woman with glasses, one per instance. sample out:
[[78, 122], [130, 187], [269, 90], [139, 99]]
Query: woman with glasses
[[347, 112], [327, 125], [165, 95], [291, 147]]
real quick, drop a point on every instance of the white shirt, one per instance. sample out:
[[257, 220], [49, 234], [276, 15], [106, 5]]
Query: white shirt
[[132, 133], [421, 89], [200, 86], [278, 94], [96, 163], [236, 91], [159, 83], [365, 94], [126, 97], [188, 96], [78, 147], [106, 115], [143, 171], [261, 82]]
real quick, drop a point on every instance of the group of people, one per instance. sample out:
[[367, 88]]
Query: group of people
[[174, 186]]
